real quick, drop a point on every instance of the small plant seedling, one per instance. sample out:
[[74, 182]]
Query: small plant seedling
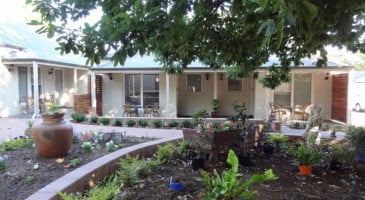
[[75, 162], [29, 178]]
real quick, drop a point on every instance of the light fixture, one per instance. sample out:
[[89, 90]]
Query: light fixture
[[206, 76], [50, 72], [157, 79], [255, 75], [11, 68], [221, 75], [110, 76], [327, 76]]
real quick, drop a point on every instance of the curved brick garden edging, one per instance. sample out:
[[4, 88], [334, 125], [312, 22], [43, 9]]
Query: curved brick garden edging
[[87, 175]]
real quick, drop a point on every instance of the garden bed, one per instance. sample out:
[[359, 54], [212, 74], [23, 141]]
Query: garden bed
[[345, 183], [26, 172]]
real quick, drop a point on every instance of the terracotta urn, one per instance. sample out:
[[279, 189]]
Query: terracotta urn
[[53, 137]]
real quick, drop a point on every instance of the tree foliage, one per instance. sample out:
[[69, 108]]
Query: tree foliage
[[236, 34]]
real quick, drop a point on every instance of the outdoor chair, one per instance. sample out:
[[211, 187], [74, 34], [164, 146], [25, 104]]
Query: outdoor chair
[[29, 103], [147, 111], [277, 110], [129, 110], [304, 113], [155, 108]]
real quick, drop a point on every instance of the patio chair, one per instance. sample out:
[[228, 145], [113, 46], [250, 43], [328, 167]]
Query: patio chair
[[279, 110], [29, 103], [129, 110], [155, 108], [147, 111], [304, 113]]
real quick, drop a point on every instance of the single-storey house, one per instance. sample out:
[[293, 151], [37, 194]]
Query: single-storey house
[[33, 72], [140, 82], [26, 56]]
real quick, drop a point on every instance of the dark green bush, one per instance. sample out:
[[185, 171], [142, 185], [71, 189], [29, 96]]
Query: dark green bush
[[118, 122], [104, 120], [186, 124], [173, 124], [94, 119], [142, 122], [157, 123], [78, 117], [131, 123]]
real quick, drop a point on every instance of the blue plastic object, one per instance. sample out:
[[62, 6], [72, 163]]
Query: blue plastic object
[[177, 186]]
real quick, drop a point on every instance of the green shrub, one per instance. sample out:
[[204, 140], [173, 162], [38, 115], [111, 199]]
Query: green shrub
[[118, 122], [157, 123], [94, 119], [173, 124], [166, 152], [186, 124], [230, 184], [78, 117], [104, 120], [341, 152], [131, 123], [15, 144], [131, 170], [142, 122], [3, 162], [101, 191]]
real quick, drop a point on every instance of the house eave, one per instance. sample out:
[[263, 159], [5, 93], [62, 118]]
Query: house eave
[[29, 61]]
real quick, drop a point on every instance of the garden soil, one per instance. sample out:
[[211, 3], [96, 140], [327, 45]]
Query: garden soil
[[19, 180]]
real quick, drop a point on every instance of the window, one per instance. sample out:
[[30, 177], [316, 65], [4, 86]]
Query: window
[[234, 85], [194, 82], [149, 89], [133, 89], [39, 82]]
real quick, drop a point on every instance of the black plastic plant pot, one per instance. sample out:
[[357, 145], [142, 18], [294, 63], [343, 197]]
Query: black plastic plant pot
[[197, 163]]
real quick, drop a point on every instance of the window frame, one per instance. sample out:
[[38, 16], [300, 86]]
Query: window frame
[[188, 82], [239, 85]]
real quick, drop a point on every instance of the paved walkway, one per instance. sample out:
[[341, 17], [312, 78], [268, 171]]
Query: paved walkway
[[15, 126]]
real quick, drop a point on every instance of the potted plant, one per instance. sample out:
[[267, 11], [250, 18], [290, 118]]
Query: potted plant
[[53, 136], [306, 158], [215, 107], [356, 137]]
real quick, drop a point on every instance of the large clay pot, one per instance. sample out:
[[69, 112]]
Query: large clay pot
[[53, 137]]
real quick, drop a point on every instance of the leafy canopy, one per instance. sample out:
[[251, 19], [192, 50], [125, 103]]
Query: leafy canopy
[[237, 34]]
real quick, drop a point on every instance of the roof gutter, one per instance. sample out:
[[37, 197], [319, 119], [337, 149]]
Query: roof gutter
[[42, 61]]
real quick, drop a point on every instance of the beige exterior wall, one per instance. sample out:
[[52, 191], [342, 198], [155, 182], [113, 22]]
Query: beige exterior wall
[[261, 99], [191, 102], [9, 87], [9, 95], [322, 93], [168, 95], [113, 95]]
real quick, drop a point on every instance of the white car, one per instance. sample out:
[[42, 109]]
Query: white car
[[358, 107], [359, 102]]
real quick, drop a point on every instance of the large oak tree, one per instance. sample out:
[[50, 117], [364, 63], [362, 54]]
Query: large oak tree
[[239, 35]]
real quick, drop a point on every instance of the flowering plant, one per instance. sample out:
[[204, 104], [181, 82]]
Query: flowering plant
[[90, 136], [3, 161], [110, 146], [226, 125], [87, 146]]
